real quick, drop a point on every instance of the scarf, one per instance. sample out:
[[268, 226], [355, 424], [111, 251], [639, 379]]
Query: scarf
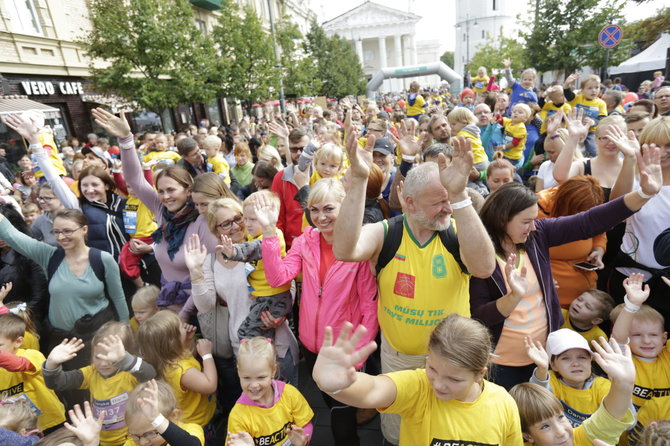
[[174, 227]]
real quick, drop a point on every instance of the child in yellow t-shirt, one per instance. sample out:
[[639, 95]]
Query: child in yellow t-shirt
[[556, 102], [167, 344], [21, 377], [416, 104], [515, 134], [481, 81], [328, 163], [144, 304], [570, 378], [160, 153], [114, 372], [588, 101], [643, 325], [269, 411], [591, 308], [219, 165], [464, 123], [278, 301], [153, 418]]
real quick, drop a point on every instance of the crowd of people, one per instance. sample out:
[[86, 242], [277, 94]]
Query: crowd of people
[[507, 248]]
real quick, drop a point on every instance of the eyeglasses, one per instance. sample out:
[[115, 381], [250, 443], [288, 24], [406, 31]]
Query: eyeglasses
[[65, 232], [226, 225], [45, 198], [147, 436], [297, 149]]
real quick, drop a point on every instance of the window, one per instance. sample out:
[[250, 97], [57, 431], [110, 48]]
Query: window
[[465, 36], [24, 16], [201, 25], [483, 34]]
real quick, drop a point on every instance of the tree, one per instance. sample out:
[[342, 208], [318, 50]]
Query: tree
[[338, 69], [564, 34], [647, 31], [448, 58], [153, 51], [297, 70], [492, 53], [246, 63]]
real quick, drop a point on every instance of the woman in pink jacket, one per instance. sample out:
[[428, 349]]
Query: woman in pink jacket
[[333, 292]]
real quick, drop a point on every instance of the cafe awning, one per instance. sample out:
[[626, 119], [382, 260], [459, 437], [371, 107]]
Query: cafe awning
[[19, 104]]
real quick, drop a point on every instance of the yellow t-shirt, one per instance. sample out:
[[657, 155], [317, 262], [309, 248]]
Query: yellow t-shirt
[[548, 109], [418, 288], [192, 429], [652, 379], [579, 404], [134, 325], [492, 419], [655, 410], [479, 84], [268, 424], [31, 387], [220, 166], [196, 407], [138, 220], [478, 152], [256, 278], [529, 318], [511, 132], [30, 342], [417, 108], [593, 108], [109, 396], [592, 334], [160, 156], [602, 426]]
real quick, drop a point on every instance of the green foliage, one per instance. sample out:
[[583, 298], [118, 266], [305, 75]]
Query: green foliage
[[650, 29], [492, 53], [153, 51], [448, 58], [297, 71], [564, 35], [246, 63], [338, 70]]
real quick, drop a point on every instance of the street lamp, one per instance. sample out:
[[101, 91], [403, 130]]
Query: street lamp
[[282, 98]]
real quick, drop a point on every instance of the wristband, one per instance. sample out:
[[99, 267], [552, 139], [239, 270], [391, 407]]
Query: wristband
[[462, 204], [158, 421], [641, 193], [629, 306], [409, 158], [207, 356], [334, 393]]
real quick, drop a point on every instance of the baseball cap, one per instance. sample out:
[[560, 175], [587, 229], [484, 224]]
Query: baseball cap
[[383, 145], [98, 152], [565, 339]]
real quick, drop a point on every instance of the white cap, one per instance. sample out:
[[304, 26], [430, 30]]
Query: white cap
[[565, 339]]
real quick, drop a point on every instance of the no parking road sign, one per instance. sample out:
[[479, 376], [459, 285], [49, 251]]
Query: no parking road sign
[[610, 36]]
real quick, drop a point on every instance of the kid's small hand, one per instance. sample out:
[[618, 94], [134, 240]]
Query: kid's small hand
[[297, 435], [84, 425], [111, 349], [226, 247], [636, 291], [536, 353], [64, 352], [149, 401], [187, 334], [204, 347], [4, 291], [615, 360], [507, 62], [267, 212]]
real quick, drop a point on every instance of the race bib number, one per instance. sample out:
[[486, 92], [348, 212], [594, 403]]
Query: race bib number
[[130, 221], [113, 409]]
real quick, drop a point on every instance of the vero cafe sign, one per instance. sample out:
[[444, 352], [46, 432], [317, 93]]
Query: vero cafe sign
[[45, 88]]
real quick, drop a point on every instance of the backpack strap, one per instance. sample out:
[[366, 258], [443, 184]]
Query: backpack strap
[[392, 240], [54, 262], [95, 259]]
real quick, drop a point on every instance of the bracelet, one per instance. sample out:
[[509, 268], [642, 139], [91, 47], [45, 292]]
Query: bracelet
[[462, 204], [334, 393], [34, 146], [158, 421], [641, 193], [629, 306], [207, 356], [409, 158]]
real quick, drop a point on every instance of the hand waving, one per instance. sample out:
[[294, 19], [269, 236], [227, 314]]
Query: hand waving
[[649, 165], [575, 123], [267, 213], [627, 145], [615, 360], [64, 351], [84, 425], [536, 353], [516, 279], [359, 158], [454, 177], [111, 349], [114, 125], [24, 126], [636, 290], [194, 253], [407, 143]]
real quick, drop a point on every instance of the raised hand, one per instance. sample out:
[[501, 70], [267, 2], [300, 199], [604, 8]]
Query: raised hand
[[297, 435], [454, 176], [627, 145], [615, 360], [203, 347], [279, 129], [577, 128], [111, 349], [537, 353], [359, 158], [517, 280], [507, 62], [407, 144], [194, 253], [84, 425], [64, 352], [554, 122], [114, 125], [636, 290], [571, 79], [267, 212], [240, 439], [148, 402], [335, 365], [4, 291], [24, 126], [649, 165], [226, 247]]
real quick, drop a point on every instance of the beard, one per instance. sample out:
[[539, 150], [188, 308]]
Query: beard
[[435, 224]]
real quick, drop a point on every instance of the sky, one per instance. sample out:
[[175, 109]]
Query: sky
[[439, 15]]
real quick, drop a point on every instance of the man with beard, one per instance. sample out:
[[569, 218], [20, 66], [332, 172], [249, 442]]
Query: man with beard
[[424, 258]]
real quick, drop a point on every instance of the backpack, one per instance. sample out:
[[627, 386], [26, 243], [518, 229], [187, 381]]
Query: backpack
[[394, 238]]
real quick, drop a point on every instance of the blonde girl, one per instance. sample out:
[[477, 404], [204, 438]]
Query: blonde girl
[[144, 304], [328, 162], [271, 155], [16, 415], [113, 373], [267, 405], [166, 344], [438, 402], [154, 418]]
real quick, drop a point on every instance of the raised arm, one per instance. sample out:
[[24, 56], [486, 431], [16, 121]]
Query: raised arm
[[617, 363], [564, 167], [636, 295], [476, 247], [353, 242], [628, 146], [202, 382], [508, 72]]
